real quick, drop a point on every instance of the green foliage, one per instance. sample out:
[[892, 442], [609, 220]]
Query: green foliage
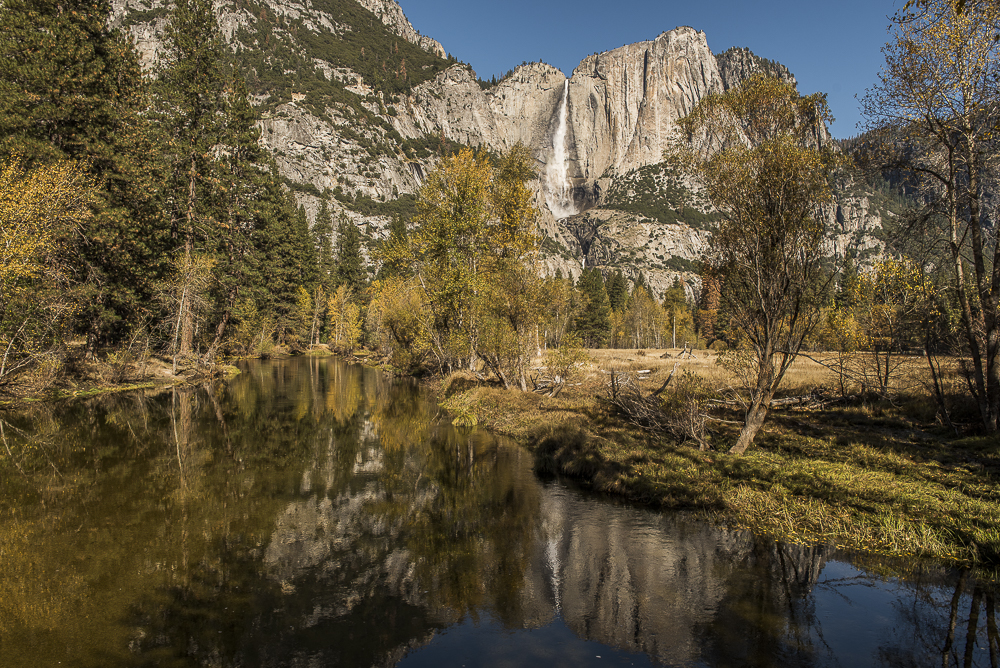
[[474, 250], [322, 236], [278, 57], [71, 88], [767, 179], [404, 207], [657, 193], [593, 323], [617, 288], [571, 354], [349, 270]]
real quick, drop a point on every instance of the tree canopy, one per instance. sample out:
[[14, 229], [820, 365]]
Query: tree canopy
[[765, 169]]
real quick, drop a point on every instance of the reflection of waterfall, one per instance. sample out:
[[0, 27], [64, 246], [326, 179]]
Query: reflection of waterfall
[[558, 191], [555, 565]]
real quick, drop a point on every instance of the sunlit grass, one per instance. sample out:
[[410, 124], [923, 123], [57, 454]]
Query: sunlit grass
[[872, 476]]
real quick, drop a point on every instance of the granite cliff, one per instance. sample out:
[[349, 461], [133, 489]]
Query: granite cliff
[[363, 139]]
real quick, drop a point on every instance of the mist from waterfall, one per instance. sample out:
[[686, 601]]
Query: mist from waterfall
[[558, 190]]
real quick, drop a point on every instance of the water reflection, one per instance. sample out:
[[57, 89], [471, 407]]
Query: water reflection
[[315, 513]]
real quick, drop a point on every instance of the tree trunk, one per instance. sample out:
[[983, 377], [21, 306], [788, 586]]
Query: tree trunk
[[751, 425], [187, 318], [220, 330]]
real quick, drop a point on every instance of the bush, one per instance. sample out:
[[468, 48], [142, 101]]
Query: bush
[[686, 406], [564, 361]]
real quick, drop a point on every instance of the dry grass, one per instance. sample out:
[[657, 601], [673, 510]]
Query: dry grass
[[806, 373], [875, 475]]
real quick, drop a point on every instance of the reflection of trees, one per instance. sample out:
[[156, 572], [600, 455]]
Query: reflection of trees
[[944, 622], [472, 538], [768, 614], [310, 512]]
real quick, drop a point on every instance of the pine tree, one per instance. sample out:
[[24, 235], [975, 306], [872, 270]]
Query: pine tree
[[242, 178], [617, 291], [846, 293], [281, 270], [349, 268], [192, 105], [593, 323], [322, 235], [305, 251], [70, 87]]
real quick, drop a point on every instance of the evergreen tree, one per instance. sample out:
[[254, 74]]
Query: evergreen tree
[[675, 298], [192, 106], [322, 234], [243, 178], [640, 282], [617, 291], [282, 271], [305, 251], [349, 268], [593, 323], [70, 87], [847, 285]]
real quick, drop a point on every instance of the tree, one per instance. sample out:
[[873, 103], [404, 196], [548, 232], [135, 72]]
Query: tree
[[41, 211], [935, 111], [887, 303], [617, 288], [191, 106], [473, 253], [322, 234], [593, 322], [242, 178], [71, 88], [678, 312], [349, 269], [764, 172]]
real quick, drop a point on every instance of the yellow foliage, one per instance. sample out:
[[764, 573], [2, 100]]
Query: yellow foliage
[[344, 318], [473, 255], [39, 210], [36, 207]]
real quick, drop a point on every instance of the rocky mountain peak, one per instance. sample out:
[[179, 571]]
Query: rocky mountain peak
[[391, 14], [738, 64]]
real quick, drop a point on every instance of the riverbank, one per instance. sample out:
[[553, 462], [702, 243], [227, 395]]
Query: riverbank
[[864, 476], [81, 378]]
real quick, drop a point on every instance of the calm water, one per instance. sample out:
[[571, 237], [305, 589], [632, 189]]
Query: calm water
[[311, 513]]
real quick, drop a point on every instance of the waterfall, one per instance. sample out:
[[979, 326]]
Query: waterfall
[[558, 190]]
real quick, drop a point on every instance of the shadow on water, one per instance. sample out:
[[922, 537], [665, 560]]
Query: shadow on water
[[315, 513]]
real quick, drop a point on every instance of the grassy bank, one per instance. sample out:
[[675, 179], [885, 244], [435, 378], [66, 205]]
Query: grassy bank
[[869, 476], [83, 378]]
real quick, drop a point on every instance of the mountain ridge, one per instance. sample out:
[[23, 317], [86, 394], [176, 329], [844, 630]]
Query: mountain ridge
[[355, 115]]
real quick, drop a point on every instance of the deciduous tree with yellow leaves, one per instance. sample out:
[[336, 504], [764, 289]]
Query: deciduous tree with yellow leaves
[[936, 113], [40, 210], [765, 171], [473, 254]]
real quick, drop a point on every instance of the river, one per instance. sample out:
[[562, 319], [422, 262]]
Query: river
[[314, 513]]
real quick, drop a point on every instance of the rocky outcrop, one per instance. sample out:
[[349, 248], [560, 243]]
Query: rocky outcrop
[[739, 64], [624, 103], [391, 14]]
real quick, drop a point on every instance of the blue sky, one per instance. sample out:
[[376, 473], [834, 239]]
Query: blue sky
[[830, 47]]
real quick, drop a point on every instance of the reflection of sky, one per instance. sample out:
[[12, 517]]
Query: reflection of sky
[[488, 643], [869, 621]]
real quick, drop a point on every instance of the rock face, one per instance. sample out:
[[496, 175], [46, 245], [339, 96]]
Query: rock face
[[622, 108], [624, 103], [391, 14]]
